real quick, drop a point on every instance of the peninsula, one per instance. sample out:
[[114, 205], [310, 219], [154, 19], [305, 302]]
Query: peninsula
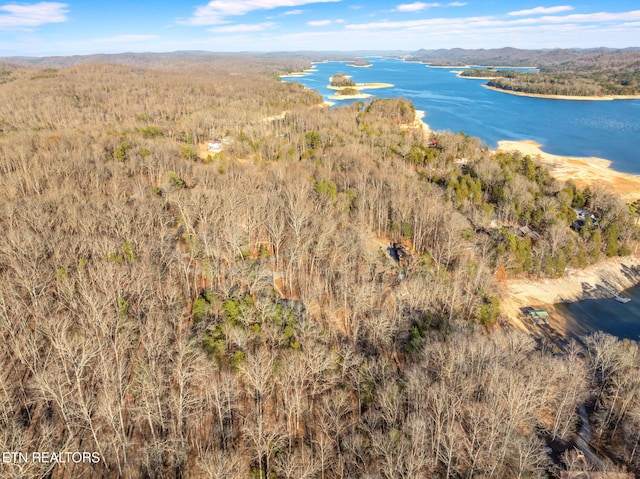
[[549, 96], [567, 74], [581, 171]]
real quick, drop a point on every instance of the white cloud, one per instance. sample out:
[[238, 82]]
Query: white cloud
[[556, 22], [319, 23], [243, 27], [593, 17], [34, 15], [216, 11], [293, 12], [415, 7], [418, 6], [542, 10]]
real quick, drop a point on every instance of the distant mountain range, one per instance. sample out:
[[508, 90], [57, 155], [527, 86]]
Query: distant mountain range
[[627, 59]]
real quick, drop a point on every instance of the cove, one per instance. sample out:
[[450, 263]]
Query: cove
[[621, 320], [604, 129]]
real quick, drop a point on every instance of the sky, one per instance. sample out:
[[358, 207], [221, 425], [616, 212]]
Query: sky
[[75, 27]]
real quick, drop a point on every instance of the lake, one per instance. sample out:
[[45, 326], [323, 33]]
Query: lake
[[605, 129], [606, 315]]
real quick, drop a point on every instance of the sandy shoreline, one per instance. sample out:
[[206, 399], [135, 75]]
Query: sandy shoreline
[[298, 74], [362, 86], [419, 123], [564, 97], [601, 280], [597, 281], [359, 96], [358, 86], [582, 171]]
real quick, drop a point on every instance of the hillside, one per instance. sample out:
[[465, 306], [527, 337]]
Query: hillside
[[204, 272], [573, 59], [563, 72]]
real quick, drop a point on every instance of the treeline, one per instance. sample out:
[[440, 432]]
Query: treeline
[[488, 73], [559, 59], [237, 316], [595, 72], [342, 80], [595, 84], [359, 62], [571, 84]]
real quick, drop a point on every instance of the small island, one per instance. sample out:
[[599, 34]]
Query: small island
[[347, 89], [340, 80], [360, 63]]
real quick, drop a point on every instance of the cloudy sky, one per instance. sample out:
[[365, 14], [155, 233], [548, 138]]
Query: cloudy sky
[[96, 26]]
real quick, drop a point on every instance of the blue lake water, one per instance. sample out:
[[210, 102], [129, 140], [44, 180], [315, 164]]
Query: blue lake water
[[605, 129], [622, 320]]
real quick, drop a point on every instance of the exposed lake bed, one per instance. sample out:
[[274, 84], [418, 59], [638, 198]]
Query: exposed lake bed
[[582, 301]]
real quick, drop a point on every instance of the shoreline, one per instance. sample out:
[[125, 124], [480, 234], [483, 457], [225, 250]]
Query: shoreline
[[299, 74], [447, 66], [597, 281], [563, 97], [582, 171], [418, 122], [511, 67], [359, 96], [362, 86], [459, 75], [601, 280]]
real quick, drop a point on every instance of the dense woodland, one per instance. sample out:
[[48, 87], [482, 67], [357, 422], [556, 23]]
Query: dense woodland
[[590, 72], [238, 314]]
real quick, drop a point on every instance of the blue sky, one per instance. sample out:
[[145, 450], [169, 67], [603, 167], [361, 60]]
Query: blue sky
[[84, 26]]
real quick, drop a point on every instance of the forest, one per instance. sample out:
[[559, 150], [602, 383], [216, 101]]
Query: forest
[[316, 300], [569, 72], [341, 80]]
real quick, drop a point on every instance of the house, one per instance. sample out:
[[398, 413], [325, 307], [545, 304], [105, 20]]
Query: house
[[581, 217], [396, 251], [526, 231], [523, 231], [214, 146], [582, 214], [536, 316]]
